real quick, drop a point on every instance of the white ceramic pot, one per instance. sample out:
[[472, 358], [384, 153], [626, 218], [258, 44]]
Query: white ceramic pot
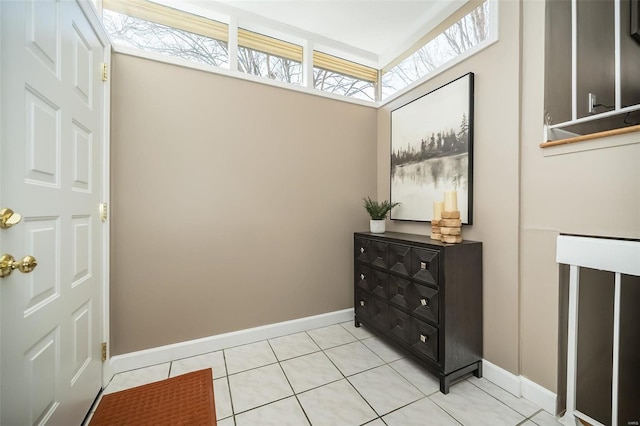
[[377, 226]]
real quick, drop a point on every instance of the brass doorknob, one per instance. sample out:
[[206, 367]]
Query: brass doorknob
[[8, 218], [8, 264]]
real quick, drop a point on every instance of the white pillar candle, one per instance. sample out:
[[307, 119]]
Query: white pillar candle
[[450, 201], [437, 210]]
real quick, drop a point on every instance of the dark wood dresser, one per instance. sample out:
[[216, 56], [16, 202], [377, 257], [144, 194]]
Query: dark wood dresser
[[423, 295]]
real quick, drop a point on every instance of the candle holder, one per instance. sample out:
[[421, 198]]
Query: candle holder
[[436, 233], [450, 227]]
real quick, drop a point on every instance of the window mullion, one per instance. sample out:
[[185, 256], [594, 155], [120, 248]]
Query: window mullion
[[233, 43], [307, 64]]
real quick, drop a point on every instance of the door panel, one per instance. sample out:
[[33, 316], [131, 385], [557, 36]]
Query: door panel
[[52, 171]]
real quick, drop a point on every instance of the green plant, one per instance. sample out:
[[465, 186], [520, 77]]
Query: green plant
[[378, 210]]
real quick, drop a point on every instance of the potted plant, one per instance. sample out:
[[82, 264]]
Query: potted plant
[[378, 212]]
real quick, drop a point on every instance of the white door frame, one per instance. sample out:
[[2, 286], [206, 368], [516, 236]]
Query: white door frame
[[89, 8]]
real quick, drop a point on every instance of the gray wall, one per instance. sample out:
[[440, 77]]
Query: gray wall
[[233, 203]]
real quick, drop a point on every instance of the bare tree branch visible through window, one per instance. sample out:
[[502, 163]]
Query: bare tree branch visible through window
[[455, 40], [157, 38]]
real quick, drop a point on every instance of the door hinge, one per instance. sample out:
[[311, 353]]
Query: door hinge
[[104, 211], [105, 75], [104, 351]]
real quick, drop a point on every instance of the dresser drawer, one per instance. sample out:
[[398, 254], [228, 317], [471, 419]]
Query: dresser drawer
[[362, 305], [372, 280], [424, 265], [400, 259], [416, 263], [399, 324], [419, 300], [372, 252], [423, 338], [370, 308]]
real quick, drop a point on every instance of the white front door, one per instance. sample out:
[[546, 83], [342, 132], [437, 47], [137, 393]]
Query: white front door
[[52, 171]]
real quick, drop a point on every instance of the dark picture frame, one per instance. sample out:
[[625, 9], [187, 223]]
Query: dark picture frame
[[432, 151], [635, 19]]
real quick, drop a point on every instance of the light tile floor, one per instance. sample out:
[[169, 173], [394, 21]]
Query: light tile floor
[[339, 376]]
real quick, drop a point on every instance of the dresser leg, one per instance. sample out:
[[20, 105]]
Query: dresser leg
[[444, 385], [356, 322], [478, 372]]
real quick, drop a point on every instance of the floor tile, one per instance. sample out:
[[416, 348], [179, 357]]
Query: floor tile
[[286, 412], [257, 387], [141, 376], [472, 406], [417, 375], [384, 350], [545, 419], [222, 398], [246, 357], [416, 413], [521, 405], [353, 358], [287, 347], [384, 389], [376, 422], [358, 332], [331, 336], [310, 371], [336, 404], [213, 360], [226, 422]]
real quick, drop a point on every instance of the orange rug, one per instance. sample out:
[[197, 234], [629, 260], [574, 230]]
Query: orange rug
[[181, 400]]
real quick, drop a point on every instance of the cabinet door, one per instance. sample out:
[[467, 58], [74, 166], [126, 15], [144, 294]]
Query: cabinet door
[[424, 338], [372, 280]]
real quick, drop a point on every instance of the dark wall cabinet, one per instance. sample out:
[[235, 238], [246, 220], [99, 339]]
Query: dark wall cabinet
[[425, 296]]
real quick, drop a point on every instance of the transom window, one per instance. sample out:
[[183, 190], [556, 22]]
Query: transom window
[[151, 27]]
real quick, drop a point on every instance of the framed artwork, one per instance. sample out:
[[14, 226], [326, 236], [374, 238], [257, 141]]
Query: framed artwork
[[432, 151]]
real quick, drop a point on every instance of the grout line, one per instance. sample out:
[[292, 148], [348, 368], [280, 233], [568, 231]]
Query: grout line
[[443, 409], [533, 415], [498, 399], [291, 386], [226, 368]]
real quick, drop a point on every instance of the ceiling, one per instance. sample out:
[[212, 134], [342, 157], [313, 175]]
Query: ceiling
[[373, 32]]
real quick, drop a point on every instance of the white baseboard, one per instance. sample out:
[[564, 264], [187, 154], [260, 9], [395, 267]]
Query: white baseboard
[[501, 377], [539, 395], [147, 357], [520, 386]]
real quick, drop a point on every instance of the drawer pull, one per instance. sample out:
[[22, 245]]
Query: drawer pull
[[362, 277], [423, 338], [423, 265], [424, 302], [361, 249], [362, 303]]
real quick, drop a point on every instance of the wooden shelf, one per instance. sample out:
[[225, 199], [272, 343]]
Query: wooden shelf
[[590, 136]]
